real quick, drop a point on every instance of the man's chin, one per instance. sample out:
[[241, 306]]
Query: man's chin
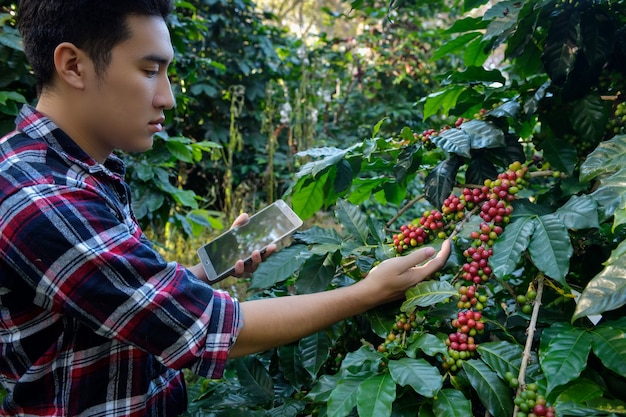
[[138, 146]]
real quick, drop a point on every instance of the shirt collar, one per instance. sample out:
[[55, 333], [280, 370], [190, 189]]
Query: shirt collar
[[37, 126]]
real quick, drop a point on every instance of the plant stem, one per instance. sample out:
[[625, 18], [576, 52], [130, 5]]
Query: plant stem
[[529, 338], [403, 209]]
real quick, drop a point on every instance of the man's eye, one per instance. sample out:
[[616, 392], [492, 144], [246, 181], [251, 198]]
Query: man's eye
[[151, 73]]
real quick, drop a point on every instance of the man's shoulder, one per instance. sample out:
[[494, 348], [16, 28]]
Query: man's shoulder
[[18, 149], [24, 161]]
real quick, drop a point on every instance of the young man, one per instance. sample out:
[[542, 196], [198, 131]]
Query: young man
[[93, 321]]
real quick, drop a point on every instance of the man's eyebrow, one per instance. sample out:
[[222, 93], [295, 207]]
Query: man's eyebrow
[[161, 60]]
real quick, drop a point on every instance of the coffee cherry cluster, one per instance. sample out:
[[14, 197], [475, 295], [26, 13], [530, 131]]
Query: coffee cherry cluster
[[454, 360], [425, 229], [526, 301], [617, 123], [461, 344], [477, 268], [453, 208], [530, 402], [426, 136], [494, 199], [400, 330], [469, 297], [474, 196]]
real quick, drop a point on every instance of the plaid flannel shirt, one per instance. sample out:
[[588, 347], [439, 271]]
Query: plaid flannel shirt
[[93, 322]]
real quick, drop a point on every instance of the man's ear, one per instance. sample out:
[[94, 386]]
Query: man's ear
[[71, 64]]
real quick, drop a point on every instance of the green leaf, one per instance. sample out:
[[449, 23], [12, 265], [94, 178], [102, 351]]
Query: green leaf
[[565, 357], [206, 218], [573, 409], [597, 34], [452, 403], [619, 218], [589, 117], [467, 24], [579, 391], [507, 109], [143, 170], [377, 127], [254, 379], [343, 176], [502, 357], [318, 235], [280, 266], [479, 169], [409, 160], [343, 398], [476, 52], [580, 212], [291, 364], [502, 9], [608, 405], [559, 54], [362, 189], [427, 293], [508, 249], [11, 95], [561, 154], [362, 361], [483, 135], [611, 194], [314, 352], [323, 388], [442, 101], [315, 274], [149, 202], [455, 141], [308, 196], [179, 148], [455, 45], [289, 408], [475, 74], [332, 156], [186, 198], [492, 391], [607, 290], [377, 230], [440, 181], [11, 40], [550, 247], [375, 396], [424, 378], [609, 344], [353, 220], [430, 344], [608, 157], [532, 104]]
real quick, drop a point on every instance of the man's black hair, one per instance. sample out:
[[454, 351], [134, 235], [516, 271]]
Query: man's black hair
[[95, 26]]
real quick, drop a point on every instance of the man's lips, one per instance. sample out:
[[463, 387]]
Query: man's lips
[[157, 125]]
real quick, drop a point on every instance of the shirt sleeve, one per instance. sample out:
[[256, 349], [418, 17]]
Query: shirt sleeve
[[81, 260]]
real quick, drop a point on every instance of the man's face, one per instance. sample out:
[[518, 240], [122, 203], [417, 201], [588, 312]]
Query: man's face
[[125, 105]]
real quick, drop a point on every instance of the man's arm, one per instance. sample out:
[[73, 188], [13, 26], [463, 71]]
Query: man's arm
[[277, 321]]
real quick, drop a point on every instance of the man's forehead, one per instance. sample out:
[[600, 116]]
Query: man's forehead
[[151, 35]]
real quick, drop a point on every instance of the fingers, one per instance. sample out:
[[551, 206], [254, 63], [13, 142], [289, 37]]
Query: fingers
[[256, 260], [240, 268], [403, 263], [268, 251], [437, 262], [241, 220]]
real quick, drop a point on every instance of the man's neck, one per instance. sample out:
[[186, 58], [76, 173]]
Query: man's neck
[[60, 112]]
